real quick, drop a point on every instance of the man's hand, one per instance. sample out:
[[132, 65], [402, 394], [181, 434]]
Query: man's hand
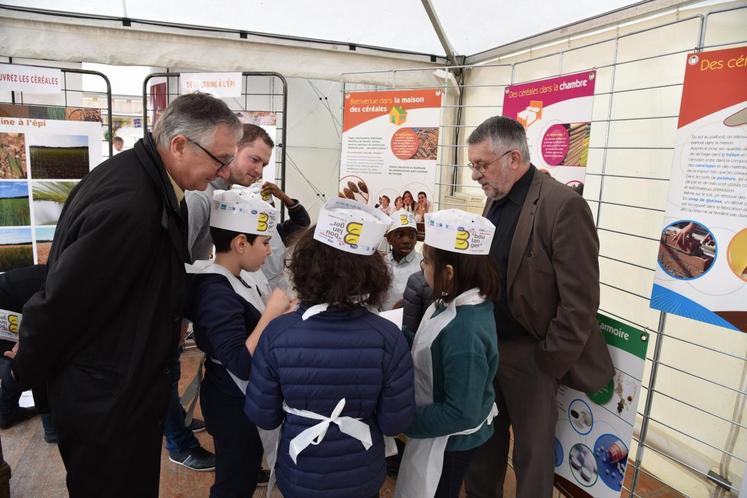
[[271, 188], [683, 236], [12, 353]]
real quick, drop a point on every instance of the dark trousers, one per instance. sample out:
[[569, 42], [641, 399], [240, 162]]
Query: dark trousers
[[238, 448], [123, 468], [9, 394], [526, 400], [453, 472], [178, 437]]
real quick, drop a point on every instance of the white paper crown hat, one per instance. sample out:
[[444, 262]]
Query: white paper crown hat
[[254, 190], [242, 213], [402, 219], [458, 231], [351, 226]]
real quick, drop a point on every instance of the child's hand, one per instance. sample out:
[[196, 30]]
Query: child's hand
[[271, 188], [278, 303]]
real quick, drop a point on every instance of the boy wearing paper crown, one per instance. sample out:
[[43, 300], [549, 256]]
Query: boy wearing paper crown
[[403, 259], [229, 316], [335, 375], [455, 353]]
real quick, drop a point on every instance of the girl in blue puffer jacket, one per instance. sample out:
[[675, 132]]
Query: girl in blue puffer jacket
[[336, 376]]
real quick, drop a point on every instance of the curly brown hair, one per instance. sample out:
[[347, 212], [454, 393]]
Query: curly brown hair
[[323, 274]]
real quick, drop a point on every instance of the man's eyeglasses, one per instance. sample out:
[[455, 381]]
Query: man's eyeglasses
[[481, 168], [223, 164]]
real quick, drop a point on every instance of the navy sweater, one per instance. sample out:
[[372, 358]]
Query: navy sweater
[[311, 365], [222, 321]]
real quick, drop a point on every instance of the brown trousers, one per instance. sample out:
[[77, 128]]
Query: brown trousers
[[526, 400]]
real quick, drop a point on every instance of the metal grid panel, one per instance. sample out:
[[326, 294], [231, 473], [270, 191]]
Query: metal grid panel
[[683, 423], [260, 91]]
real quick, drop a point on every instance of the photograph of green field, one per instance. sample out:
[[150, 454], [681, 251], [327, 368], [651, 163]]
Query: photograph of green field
[[12, 155], [14, 204], [44, 237], [59, 156], [16, 249], [49, 198]]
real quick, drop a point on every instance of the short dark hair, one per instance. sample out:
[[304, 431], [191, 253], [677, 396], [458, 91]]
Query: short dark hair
[[118, 139], [323, 274], [253, 132], [470, 270], [222, 238], [423, 193], [503, 133]]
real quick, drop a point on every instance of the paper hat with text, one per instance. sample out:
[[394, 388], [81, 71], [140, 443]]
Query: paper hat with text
[[402, 219], [235, 211], [458, 231], [350, 226]]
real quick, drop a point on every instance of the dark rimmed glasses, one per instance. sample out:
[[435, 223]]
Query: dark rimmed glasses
[[481, 168], [223, 164]]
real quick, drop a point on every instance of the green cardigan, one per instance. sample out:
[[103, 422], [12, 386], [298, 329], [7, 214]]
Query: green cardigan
[[465, 361]]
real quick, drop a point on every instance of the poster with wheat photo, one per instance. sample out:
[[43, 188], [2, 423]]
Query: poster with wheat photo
[[44, 152]]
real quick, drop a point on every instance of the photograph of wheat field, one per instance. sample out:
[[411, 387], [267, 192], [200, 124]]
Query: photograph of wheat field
[[14, 204], [16, 249]]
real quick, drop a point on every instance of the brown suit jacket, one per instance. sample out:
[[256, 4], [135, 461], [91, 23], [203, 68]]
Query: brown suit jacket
[[553, 284]]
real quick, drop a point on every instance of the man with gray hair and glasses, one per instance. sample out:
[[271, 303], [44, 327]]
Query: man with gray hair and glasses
[[103, 330], [546, 249]]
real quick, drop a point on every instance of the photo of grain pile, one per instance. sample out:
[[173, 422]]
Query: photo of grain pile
[[12, 155], [14, 204], [578, 150], [16, 249], [49, 197], [427, 143]]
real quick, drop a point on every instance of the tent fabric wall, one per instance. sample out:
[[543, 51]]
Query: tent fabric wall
[[107, 42]]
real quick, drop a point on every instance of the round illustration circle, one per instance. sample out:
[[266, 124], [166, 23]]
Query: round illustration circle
[[611, 456], [583, 465], [603, 396], [687, 250], [558, 450], [354, 188], [577, 186], [404, 143], [580, 416], [736, 254], [555, 144]]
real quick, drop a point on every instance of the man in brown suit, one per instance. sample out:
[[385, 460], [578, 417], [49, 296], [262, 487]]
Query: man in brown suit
[[546, 248]]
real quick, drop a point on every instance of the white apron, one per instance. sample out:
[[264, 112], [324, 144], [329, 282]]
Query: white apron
[[274, 266], [315, 434], [423, 459], [251, 295]]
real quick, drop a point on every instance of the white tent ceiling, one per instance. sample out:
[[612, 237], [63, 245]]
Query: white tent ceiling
[[471, 26]]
